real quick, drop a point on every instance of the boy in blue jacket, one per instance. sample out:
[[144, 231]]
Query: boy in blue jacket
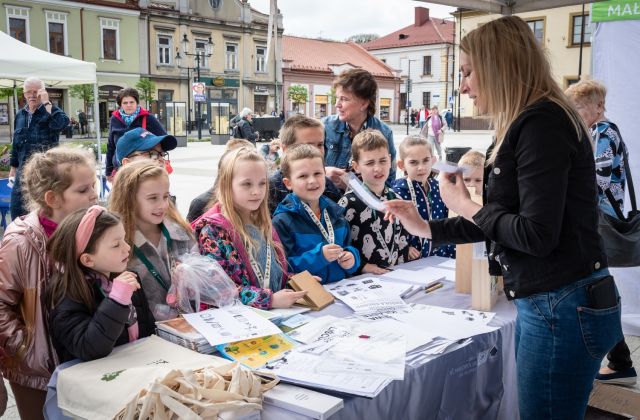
[[312, 228]]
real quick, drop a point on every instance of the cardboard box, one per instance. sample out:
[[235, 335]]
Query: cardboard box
[[618, 400]]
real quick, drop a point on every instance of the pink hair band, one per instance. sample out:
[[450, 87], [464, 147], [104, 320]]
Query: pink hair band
[[85, 228]]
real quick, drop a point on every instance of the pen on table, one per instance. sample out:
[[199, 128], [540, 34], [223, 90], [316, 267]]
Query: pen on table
[[433, 288]]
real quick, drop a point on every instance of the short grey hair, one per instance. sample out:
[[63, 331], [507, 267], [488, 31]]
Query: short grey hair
[[245, 112], [33, 81]]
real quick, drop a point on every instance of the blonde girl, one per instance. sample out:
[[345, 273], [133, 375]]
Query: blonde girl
[[94, 304], [237, 232], [55, 183], [154, 229]]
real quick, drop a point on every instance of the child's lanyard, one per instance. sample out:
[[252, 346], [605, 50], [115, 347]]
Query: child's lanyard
[[156, 275], [381, 239], [412, 192], [262, 279], [329, 237]]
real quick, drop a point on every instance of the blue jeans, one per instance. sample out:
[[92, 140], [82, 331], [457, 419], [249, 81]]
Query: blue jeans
[[560, 343]]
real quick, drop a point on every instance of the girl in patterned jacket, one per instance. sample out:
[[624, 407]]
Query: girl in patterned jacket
[[237, 232]]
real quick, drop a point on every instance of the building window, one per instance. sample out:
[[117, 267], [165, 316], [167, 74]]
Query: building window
[[576, 29], [260, 104], [18, 23], [537, 26], [201, 49], [110, 32], [165, 95], [57, 32], [426, 65], [231, 58], [261, 60], [321, 102], [568, 81], [426, 99], [403, 100], [385, 108], [164, 49]]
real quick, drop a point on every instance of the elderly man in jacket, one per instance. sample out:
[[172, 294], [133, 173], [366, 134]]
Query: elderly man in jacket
[[37, 128], [245, 126]]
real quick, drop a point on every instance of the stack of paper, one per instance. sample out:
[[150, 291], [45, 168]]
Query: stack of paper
[[421, 277], [179, 331], [303, 401], [304, 369], [369, 295], [229, 324]]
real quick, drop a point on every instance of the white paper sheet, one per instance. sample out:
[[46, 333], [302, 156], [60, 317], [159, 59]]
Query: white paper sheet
[[450, 263], [368, 295], [421, 277], [233, 323], [363, 193]]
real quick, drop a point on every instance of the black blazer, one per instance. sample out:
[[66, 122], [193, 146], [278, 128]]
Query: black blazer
[[540, 211]]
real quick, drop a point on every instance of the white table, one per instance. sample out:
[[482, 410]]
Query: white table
[[474, 382]]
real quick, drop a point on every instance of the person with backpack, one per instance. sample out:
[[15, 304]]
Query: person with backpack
[[128, 116]]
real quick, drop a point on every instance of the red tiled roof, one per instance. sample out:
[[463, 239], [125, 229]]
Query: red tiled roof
[[433, 31], [318, 54]]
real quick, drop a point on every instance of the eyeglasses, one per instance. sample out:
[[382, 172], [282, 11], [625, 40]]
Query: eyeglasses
[[152, 154]]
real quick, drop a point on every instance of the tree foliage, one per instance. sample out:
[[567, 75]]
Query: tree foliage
[[84, 92], [363, 38], [8, 92], [298, 94], [147, 88]]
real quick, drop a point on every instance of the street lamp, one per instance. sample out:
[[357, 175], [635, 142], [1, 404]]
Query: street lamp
[[199, 55], [408, 89]]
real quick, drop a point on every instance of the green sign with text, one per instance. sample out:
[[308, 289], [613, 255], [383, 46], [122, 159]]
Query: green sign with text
[[606, 11], [220, 81]]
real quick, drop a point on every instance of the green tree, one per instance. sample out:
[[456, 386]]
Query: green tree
[[147, 88], [363, 38], [332, 96], [84, 92], [298, 94], [8, 92]]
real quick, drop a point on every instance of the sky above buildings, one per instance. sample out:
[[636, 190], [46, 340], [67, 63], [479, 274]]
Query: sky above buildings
[[339, 19]]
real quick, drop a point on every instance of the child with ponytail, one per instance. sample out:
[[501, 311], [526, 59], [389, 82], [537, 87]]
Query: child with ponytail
[[94, 304]]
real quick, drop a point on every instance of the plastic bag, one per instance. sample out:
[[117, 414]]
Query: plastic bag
[[198, 280]]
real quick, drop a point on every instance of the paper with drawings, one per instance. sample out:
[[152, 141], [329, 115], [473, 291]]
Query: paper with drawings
[[362, 192], [233, 323], [304, 369], [367, 295]]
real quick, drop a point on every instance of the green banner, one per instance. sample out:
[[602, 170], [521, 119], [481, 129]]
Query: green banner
[[220, 81], [606, 11]]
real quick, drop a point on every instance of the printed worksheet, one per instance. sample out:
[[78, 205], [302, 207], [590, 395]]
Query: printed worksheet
[[229, 324]]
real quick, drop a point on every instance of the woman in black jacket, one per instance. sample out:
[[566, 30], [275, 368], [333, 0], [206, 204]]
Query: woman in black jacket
[[128, 116], [539, 219]]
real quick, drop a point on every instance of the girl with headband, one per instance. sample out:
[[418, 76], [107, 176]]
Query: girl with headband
[[94, 304]]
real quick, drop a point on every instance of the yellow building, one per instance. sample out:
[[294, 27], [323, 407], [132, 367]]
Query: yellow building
[[558, 30], [231, 39]]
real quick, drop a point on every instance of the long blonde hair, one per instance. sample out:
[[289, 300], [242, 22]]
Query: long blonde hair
[[260, 218], [123, 196], [520, 77]]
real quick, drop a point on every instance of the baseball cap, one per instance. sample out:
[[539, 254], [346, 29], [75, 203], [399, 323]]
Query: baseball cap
[[142, 140]]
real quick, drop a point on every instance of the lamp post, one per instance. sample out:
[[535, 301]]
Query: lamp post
[[178, 60], [408, 88], [198, 55]]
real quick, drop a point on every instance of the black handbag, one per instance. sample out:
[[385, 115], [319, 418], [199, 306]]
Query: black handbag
[[621, 235]]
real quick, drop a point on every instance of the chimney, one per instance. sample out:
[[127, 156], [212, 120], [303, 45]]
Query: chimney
[[421, 16]]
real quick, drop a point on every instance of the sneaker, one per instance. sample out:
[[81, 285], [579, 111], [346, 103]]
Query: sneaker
[[625, 377]]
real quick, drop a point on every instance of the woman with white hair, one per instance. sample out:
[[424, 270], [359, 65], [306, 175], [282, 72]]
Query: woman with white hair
[[245, 129]]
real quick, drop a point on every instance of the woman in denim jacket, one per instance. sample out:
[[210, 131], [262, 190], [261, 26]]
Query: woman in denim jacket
[[540, 216], [356, 91]]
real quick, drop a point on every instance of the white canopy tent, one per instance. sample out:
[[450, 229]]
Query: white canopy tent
[[19, 61], [507, 7]]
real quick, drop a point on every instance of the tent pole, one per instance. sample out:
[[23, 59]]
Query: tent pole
[[96, 121]]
